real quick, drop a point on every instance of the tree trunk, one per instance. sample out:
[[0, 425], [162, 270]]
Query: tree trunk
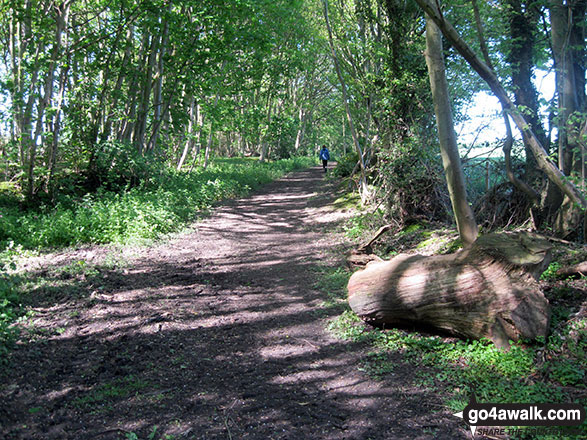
[[56, 130], [363, 188], [189, 142], [140, 127], [208, 146], [158, 90], [542, 158], [509, 142], [523, 18], [210, 136], [489, 290], [300, 132], [449, 149], [264, 144], [568, 41]]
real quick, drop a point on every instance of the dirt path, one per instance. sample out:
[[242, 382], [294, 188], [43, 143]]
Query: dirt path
[[217, 333]]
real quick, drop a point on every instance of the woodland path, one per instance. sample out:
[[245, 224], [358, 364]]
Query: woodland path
[[215, 333]]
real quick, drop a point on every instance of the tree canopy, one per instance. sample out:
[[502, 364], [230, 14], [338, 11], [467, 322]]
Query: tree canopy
[[102, 91]]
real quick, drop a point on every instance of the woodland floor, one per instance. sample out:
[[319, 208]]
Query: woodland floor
[[214, 333]]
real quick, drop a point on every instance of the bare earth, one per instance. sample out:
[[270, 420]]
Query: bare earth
[[216, 333]]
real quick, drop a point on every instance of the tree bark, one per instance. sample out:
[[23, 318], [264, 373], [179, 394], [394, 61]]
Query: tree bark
[[158, 91], [449, 150], [576, 269], [140, 128], [523, 17], [489, 290], [507, 146], [363, 189], [568, 41], [543, 161], [189, 142]]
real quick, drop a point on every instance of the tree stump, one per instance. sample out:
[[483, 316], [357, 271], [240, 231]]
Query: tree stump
[[488, 290]]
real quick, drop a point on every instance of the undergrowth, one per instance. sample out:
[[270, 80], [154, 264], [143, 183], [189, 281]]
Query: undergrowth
[[139, 213], [552, 370]]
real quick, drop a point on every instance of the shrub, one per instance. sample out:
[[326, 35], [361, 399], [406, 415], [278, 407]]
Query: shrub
[[117, 166], [412, 181], [346, 164], [142, 212]]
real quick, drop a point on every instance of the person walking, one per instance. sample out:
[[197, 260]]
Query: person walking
[[324, 157]]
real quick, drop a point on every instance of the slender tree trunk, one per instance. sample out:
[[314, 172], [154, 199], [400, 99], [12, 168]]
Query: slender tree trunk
[[542, 158], [210, 136], [363, 189], [568, 44], [142, 116], [209, 146], [158, 92], [197, 145], [27, 140], [300, 133], [523, 21], [190, 134], [264, 144], [507, 147], [119, 82], [57, 127], [343, 137], [451, 160]]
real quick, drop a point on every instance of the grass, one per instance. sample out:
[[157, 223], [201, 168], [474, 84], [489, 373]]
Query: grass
[[552, 370], [100, 398], [138, 214], [331, 281]]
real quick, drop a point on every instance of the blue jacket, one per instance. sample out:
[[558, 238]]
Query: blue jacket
[[324, 154]]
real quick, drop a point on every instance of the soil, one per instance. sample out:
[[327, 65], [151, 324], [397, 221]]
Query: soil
[[214, 333]]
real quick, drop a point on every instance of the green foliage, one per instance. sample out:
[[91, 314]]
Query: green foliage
[[411, 229], [483, 173], [349, 200], [9, 302], [346, 164], [118, 166], [451, 246], [455, 367], [100, 397], [496, 375], [412, 180], [361, 225], [550, 273], [377, 365], [332, 281], [139, 213], [348, 326], [152, 435]]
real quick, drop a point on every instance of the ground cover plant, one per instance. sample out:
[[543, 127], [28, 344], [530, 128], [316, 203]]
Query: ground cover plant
[[142, 212], [214, 330], [546, 371], [136, 214]]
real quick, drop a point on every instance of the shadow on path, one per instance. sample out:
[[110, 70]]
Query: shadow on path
[[216, 334]]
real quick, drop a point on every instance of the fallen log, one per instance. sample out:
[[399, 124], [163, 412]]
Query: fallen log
[[360, 257], [488, 290], [579, 269]]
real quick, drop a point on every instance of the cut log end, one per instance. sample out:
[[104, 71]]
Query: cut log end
[[488, 290]]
